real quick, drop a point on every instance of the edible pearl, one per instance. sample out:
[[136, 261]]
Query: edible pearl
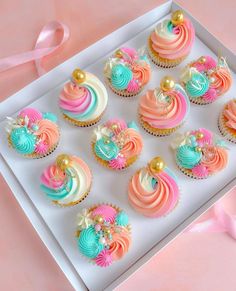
[[156, 165]]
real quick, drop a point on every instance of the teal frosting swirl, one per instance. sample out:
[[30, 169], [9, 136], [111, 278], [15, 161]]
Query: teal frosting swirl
[[122, 219], [121, 76], [23, 141], [197, 85], [50, 116], [88, 243], [187, 157], [106, 149]]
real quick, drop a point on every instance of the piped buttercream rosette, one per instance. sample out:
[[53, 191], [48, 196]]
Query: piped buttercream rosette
[[67, 181], [162, 110], [117, 144], [32, 133], [199, 153], [153, 190], [205, 80], [103, 234], [127, 71]]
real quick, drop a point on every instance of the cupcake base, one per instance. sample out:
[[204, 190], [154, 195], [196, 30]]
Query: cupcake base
[[199, 101], [35, 155], [156, 131], [129, 162], [189, 173], [72, 203], [227, 132], [162, 62], [123, 93], [82, 123]]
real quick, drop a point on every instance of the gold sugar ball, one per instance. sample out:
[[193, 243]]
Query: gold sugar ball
[[78, 76], [202, 60], [118, 54], [157, 165], [167, 83], [177, 17], [198, 149], [114, 126], [98, 219], [63, 161], [107, 230], [199, 135]]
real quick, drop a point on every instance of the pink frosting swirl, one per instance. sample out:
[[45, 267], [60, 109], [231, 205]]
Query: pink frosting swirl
[[221, 80], [208, 64], [48, 132], [160, 114], [178, 47], [230, 114], [120, 244], [104, 259], [133, 86], [133, 145], [118, 163], [207, 138], [156, 202], [210, 95], [107, 212], [200, 171], [53, 177], [116, 125], [33, 115]]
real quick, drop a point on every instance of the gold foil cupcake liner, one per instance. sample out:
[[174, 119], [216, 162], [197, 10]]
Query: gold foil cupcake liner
[[157, 131], [199, 101], [123, 93], [162, 62], [129, 162], [226, 132], [82, 123]]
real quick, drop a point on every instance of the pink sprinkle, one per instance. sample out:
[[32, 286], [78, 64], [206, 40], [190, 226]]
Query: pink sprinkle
[[97, 227], [133, 86], [41, 148], [210, 95], [200, 171], [104, 259], [118, 163]]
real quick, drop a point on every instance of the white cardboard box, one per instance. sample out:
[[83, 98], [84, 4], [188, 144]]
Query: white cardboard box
[[55, 226]]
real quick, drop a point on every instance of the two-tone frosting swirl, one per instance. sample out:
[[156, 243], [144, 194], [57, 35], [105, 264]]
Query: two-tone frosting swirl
[[68, 186], [153, 194], [164, 109], [221, 80], [86, 101], [173, 42]]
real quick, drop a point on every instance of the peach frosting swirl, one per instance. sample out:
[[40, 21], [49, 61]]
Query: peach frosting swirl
[[134, 144], [163, 114], [230, 114], [141, 73], [173, 42], [120, 244], [221, 80], [153, 201], [214, 159], [48, 132]]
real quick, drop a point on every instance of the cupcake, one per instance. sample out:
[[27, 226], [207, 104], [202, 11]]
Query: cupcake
[[200, 154], [103, 234], [127, 72], [171, 41], [162, 110], [66, 182], [117, 144], [32, 133], [205, 80], [153, 190], [83, 100], [227, 121]]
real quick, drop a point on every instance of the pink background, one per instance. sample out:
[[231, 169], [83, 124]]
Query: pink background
[[193, 262]]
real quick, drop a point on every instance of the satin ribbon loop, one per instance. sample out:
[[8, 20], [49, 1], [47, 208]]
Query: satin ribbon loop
[[42, 48]]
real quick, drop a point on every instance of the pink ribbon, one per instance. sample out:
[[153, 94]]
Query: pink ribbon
[[42, 48], [219, 221]]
